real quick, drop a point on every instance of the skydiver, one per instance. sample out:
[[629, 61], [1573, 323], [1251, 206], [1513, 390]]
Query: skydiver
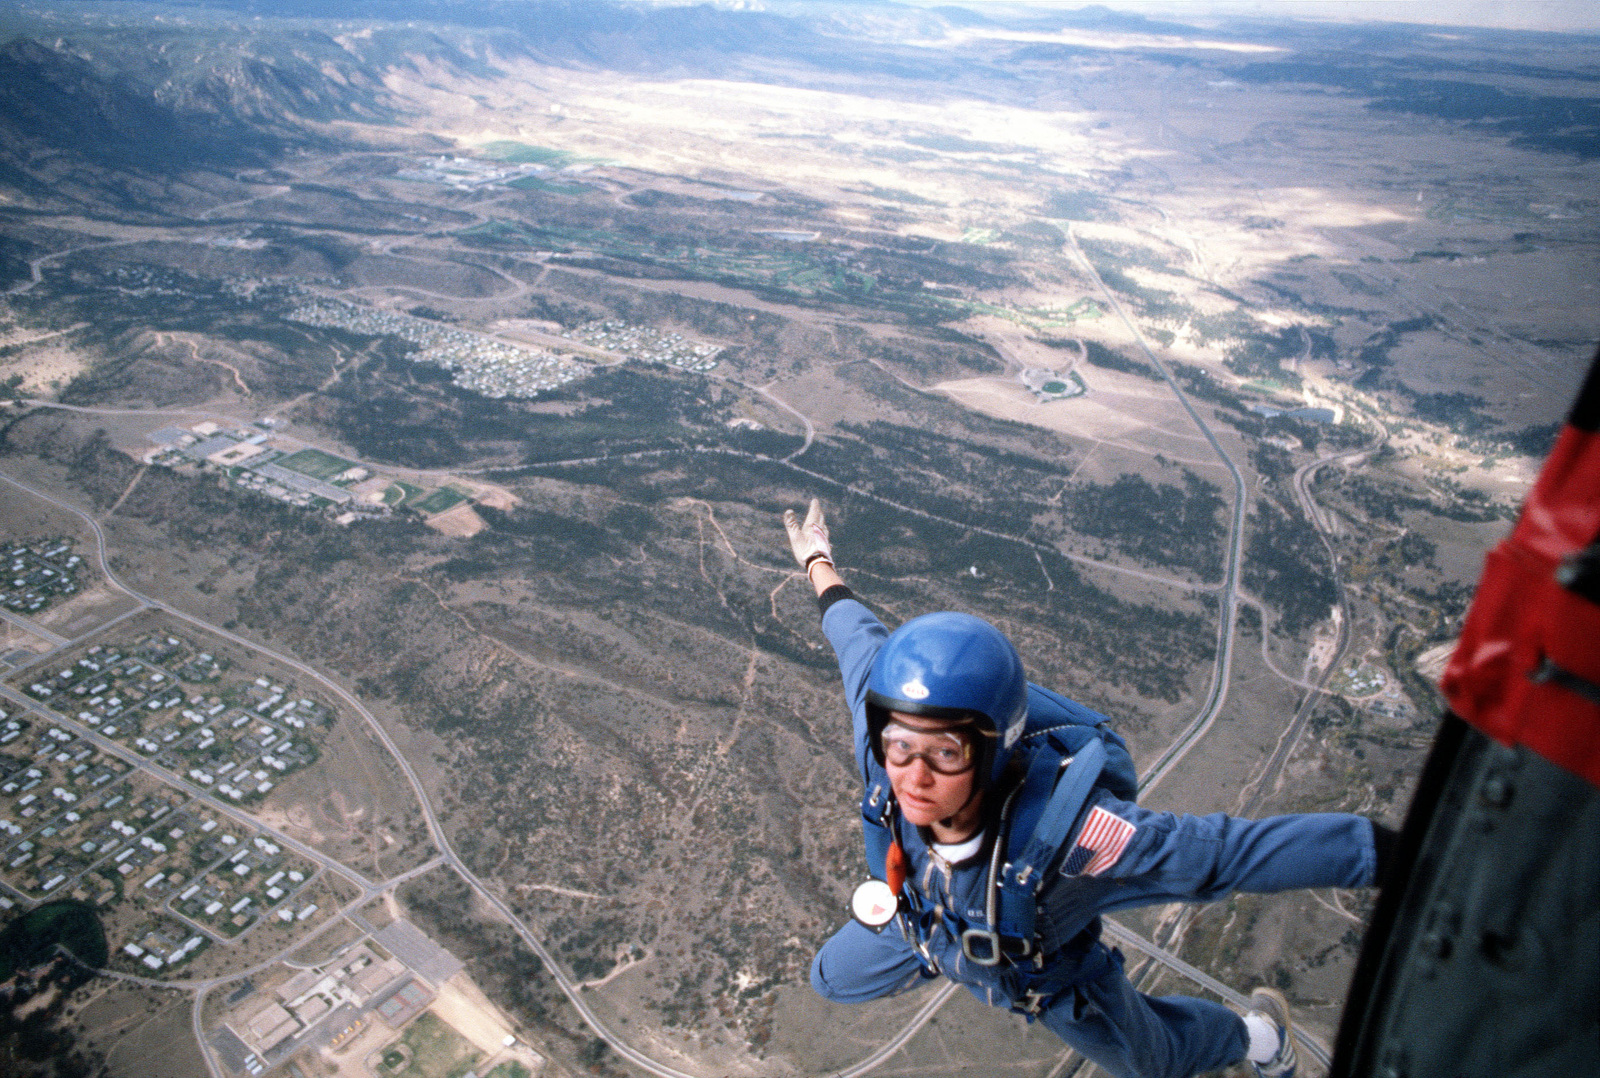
[[950, 737]]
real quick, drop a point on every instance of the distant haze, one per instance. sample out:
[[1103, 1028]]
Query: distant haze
[[1555, 15]]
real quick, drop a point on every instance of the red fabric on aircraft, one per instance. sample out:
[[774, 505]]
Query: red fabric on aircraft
[[1521, 616]]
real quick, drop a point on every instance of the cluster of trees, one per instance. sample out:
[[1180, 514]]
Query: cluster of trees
[[1260, 353], [1101, 356], [1548, 122], [36, 1040], [1150, 649], [1162, 525], [1287, 566], [1382, 498], [950, 475]]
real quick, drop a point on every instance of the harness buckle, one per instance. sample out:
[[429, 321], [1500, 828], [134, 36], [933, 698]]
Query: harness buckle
[[919, 945], [981, 946], [1033, 1002], [879, 802], [986, 947]]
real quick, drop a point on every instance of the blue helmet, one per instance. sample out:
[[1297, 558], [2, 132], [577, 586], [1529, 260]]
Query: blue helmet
[[951, 666]]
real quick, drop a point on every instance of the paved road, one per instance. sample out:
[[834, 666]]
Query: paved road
[[206, 983], [1324, 525], [32, 629], [1222, 669], [1134, 941]]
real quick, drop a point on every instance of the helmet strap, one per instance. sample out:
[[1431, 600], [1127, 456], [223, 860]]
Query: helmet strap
[[948, 821]]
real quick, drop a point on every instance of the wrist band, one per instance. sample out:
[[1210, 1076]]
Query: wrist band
[[813, 558], [833, 595]]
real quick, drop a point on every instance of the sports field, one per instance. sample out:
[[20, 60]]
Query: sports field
[[440, 500], [400, 492], [522, 153], [315, 463], [429, 1049]]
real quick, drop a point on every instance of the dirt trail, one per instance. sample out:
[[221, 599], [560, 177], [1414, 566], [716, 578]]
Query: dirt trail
[[138, 475], [194, 354]]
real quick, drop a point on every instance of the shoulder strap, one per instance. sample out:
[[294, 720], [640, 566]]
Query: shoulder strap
[[1019, 880], [1058, 718], [876, 806]]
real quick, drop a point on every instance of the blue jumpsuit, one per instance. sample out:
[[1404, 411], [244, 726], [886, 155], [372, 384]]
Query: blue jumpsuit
[[1167, 858]]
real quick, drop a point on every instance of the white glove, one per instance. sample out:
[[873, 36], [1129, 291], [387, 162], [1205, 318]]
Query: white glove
[[809, 538]]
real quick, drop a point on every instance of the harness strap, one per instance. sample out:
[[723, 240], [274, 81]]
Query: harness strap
[[877, 812], [1036, 990], [1020, 880], [1066, 803]]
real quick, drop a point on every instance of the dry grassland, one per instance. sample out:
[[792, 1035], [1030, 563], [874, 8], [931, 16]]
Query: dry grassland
[[145, 1036], [460, 522]]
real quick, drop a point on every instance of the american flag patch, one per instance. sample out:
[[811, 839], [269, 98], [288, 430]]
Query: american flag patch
[[1100, 844]]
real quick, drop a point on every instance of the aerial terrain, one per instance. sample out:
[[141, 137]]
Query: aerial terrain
[[403, 672]]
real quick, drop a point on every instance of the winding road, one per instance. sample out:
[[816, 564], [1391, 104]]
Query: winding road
[[1263, 783]]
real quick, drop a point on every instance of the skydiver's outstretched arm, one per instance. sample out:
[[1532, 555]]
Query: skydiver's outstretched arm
[[823, 576], [851, 628], [808, 539]]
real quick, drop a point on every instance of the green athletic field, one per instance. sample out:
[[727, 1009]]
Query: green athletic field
[[407, 493], [440, 500], [315, 463]]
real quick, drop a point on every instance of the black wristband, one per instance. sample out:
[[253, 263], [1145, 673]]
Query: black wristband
[[1384, 840], [832, 595]]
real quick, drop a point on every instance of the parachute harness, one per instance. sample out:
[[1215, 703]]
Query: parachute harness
[[1035, 820]]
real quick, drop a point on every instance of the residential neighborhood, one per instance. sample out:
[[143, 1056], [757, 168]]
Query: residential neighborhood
[[646, 344], [479, 363], [142, 833], [38, 574]]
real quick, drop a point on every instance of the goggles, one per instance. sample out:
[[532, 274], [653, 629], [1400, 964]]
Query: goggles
[[947, 752]]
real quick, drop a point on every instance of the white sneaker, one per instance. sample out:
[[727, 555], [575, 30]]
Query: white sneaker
[[1269, 1003]]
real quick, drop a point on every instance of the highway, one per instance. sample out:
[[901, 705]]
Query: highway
[[1222, 669], [1263, 782], [1132, 940]]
